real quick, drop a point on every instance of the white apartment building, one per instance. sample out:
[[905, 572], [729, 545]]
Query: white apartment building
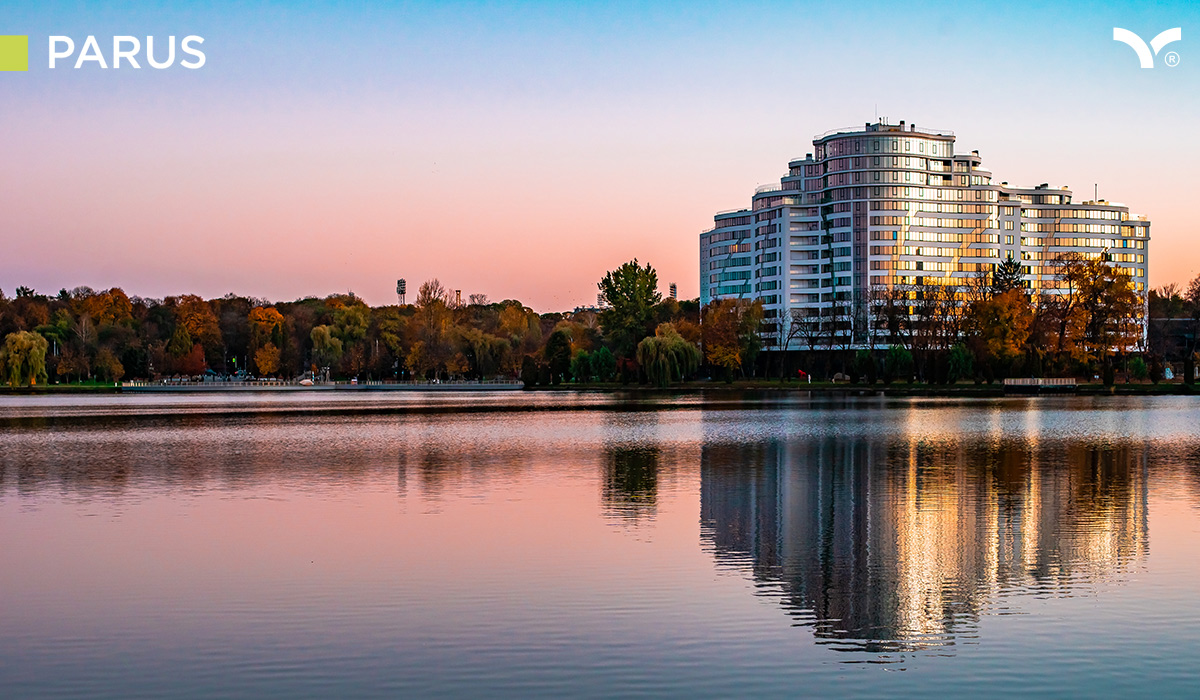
[[890, 205]]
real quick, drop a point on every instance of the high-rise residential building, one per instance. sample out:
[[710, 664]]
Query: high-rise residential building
[[894, 205]]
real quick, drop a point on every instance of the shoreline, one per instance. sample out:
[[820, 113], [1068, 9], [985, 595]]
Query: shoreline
[[840, 389]]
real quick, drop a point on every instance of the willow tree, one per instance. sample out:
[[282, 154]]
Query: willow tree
[[327, 347], [666, 356], [23, 358]]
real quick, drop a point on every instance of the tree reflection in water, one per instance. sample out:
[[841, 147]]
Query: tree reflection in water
[[630, 487]]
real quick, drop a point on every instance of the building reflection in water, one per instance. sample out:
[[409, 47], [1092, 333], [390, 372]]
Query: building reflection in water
[[895, 545]]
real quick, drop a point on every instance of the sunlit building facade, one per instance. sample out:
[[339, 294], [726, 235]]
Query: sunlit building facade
[[885, 205]]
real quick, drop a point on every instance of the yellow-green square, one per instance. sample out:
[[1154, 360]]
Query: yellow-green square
[[14, 53]]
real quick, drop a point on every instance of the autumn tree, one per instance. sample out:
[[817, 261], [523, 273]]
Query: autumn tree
[[417, 360], [391, 327], [71, 361], [266, 358], [195, 315], [999, 327], [432, 323], [266, 329], [266, 323], [729, 332], [193, 363], [1097, 306], [485, 352]]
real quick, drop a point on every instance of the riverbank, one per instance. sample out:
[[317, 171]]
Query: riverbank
[[63, 389], [841, 388], [962, 390]]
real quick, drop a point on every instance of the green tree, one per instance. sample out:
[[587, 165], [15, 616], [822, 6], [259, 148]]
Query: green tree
[[327, 347], [864, 365], [897, 364], [351, 322], [558, 354], [961, 363], [581, 366], [631, 292], [181, 342], [1007, 276], [23, 358], [604, 364], [109, 367], [666, 356], [530, 371], [1138, 368]]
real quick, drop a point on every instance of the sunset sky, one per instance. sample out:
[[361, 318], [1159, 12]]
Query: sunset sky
[[521, 150]]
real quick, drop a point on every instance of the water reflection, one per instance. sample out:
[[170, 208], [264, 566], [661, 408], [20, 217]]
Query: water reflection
[[630, 486], [893, 545]]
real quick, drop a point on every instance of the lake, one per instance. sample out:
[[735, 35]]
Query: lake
[[592, 545]]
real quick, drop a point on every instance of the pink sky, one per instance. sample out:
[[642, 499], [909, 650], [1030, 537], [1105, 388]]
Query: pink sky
[[524, 155]]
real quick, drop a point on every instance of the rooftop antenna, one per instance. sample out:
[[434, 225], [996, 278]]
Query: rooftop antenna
[[1096, 192]]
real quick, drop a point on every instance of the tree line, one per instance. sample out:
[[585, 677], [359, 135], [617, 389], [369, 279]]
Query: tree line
[[106, 336], [985, 328]]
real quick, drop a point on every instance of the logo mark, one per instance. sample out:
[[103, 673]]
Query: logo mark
[[1145, 58], [14, 53]]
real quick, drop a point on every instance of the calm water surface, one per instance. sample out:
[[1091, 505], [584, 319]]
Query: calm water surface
[[541, 545]]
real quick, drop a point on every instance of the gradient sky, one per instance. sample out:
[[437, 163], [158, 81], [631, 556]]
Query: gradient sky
[[521, 150]]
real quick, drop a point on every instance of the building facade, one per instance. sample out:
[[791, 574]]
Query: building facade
[[893, 205]]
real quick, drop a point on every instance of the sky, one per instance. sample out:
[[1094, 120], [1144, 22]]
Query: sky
[[521, 150]]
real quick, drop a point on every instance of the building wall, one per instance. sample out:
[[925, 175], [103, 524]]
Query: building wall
[[891, 205]]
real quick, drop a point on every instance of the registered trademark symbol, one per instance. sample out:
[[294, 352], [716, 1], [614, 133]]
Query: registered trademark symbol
[[1171, 59]]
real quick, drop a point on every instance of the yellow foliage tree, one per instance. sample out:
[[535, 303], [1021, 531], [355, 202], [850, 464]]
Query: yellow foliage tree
[[1002, 322], [263, 321], [266, 359], [197, 317]]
